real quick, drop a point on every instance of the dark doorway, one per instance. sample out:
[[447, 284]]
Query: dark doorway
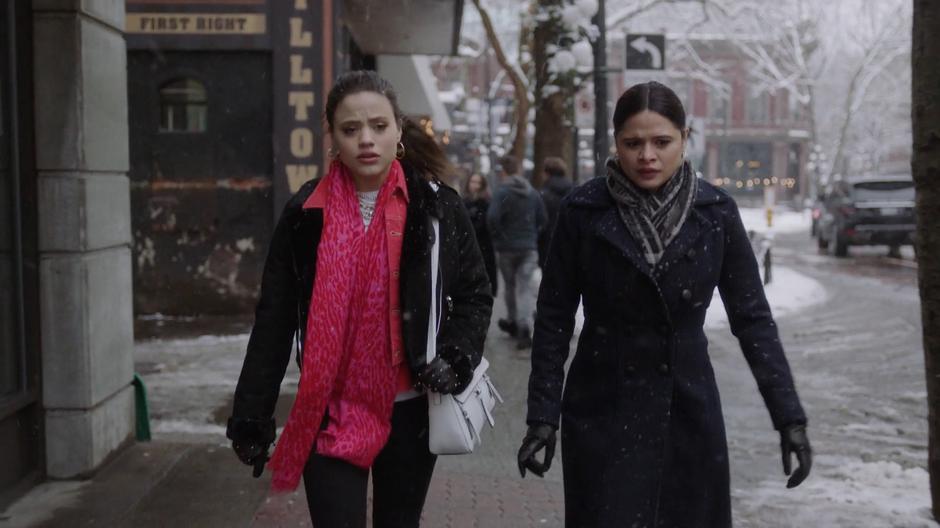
[[21, 444], [201, 163]]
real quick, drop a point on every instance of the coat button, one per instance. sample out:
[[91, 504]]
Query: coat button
[[690, 254], [686, 295], [663, 369], [631, 369]]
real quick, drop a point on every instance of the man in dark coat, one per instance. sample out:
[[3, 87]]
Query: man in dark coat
[[556, 186], [641, 423], [515, 219]]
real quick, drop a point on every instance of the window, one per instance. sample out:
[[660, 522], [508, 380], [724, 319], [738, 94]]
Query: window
[[683, 89], [183, 106], [745, 166], [758, 108], [797, 111], [717, 107], [885, 190]]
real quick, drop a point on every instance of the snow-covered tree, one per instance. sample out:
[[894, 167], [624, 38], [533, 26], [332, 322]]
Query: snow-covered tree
[[863, 92], [511, 68], [839, 63], [563, 60]]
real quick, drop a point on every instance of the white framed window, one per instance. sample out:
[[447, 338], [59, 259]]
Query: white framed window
[[183, 107]]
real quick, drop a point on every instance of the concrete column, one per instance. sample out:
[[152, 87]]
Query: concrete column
[[84, 231]]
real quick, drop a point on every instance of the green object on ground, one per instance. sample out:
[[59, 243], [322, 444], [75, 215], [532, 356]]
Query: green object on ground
[[143, 413]]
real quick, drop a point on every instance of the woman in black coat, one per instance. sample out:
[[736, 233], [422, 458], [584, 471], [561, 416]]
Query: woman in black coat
[[361, 408], [643, 439], [476, 198]]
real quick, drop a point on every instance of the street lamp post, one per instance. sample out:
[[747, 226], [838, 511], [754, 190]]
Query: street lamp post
[[601, 145]]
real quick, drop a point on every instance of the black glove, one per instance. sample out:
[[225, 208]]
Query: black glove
[[439, 376], [460, 363], [538, 436], [251, 439], [793, 440]]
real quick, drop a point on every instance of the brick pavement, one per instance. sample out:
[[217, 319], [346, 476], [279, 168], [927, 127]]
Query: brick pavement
[[455, 500], [181, 481]]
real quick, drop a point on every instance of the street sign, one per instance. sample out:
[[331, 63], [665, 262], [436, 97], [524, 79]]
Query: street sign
[[646, 52]]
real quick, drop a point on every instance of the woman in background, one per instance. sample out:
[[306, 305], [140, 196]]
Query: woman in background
[[476, 198]]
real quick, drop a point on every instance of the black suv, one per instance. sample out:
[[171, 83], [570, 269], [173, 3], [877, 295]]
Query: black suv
[[867, 211]]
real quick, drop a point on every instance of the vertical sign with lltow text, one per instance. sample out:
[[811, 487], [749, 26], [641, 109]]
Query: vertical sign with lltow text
[[299, 42]]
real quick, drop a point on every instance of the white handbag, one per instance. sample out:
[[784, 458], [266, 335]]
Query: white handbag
[[455, 420]]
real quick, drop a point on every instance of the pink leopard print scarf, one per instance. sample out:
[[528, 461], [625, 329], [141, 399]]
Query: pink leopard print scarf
[[347, 354]]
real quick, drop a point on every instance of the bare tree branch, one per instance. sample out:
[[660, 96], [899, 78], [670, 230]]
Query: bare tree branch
[[521, 110]]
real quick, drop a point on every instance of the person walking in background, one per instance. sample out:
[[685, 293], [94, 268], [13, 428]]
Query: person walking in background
[[476, 198], [556, 186], [515, 218], [643, 438], [347, 270]]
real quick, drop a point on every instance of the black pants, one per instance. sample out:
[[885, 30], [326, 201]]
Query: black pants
[[401, 474]]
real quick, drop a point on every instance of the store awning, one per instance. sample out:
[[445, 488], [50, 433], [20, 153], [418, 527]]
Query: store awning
[[415, 86], [404, 27]]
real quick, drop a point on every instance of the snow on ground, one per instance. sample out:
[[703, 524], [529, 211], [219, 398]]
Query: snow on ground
[[841, 492], [788, 292], [188, 381], [39, 504]]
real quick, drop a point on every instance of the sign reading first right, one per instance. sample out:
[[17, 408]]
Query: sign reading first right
[[646, 52]]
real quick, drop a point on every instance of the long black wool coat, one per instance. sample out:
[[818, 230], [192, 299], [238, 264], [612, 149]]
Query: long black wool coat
[[287, 285], [643, 438]]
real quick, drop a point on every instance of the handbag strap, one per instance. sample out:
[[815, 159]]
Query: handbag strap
[[434, 312]]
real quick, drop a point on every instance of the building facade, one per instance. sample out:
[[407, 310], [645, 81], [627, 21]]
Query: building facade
[[66, 358], [145, 151], [226, 102]]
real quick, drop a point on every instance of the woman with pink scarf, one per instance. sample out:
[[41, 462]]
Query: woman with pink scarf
[[348, 271]]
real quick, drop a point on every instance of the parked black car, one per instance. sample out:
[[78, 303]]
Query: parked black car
[[867, 211]]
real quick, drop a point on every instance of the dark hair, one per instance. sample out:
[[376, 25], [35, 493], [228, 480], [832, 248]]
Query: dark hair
[[359, 81], [555, 166], [484, 186], [423, 153], [651, 96], [509, 164]]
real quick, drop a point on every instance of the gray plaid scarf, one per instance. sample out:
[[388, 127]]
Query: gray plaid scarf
[[653, 218]]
